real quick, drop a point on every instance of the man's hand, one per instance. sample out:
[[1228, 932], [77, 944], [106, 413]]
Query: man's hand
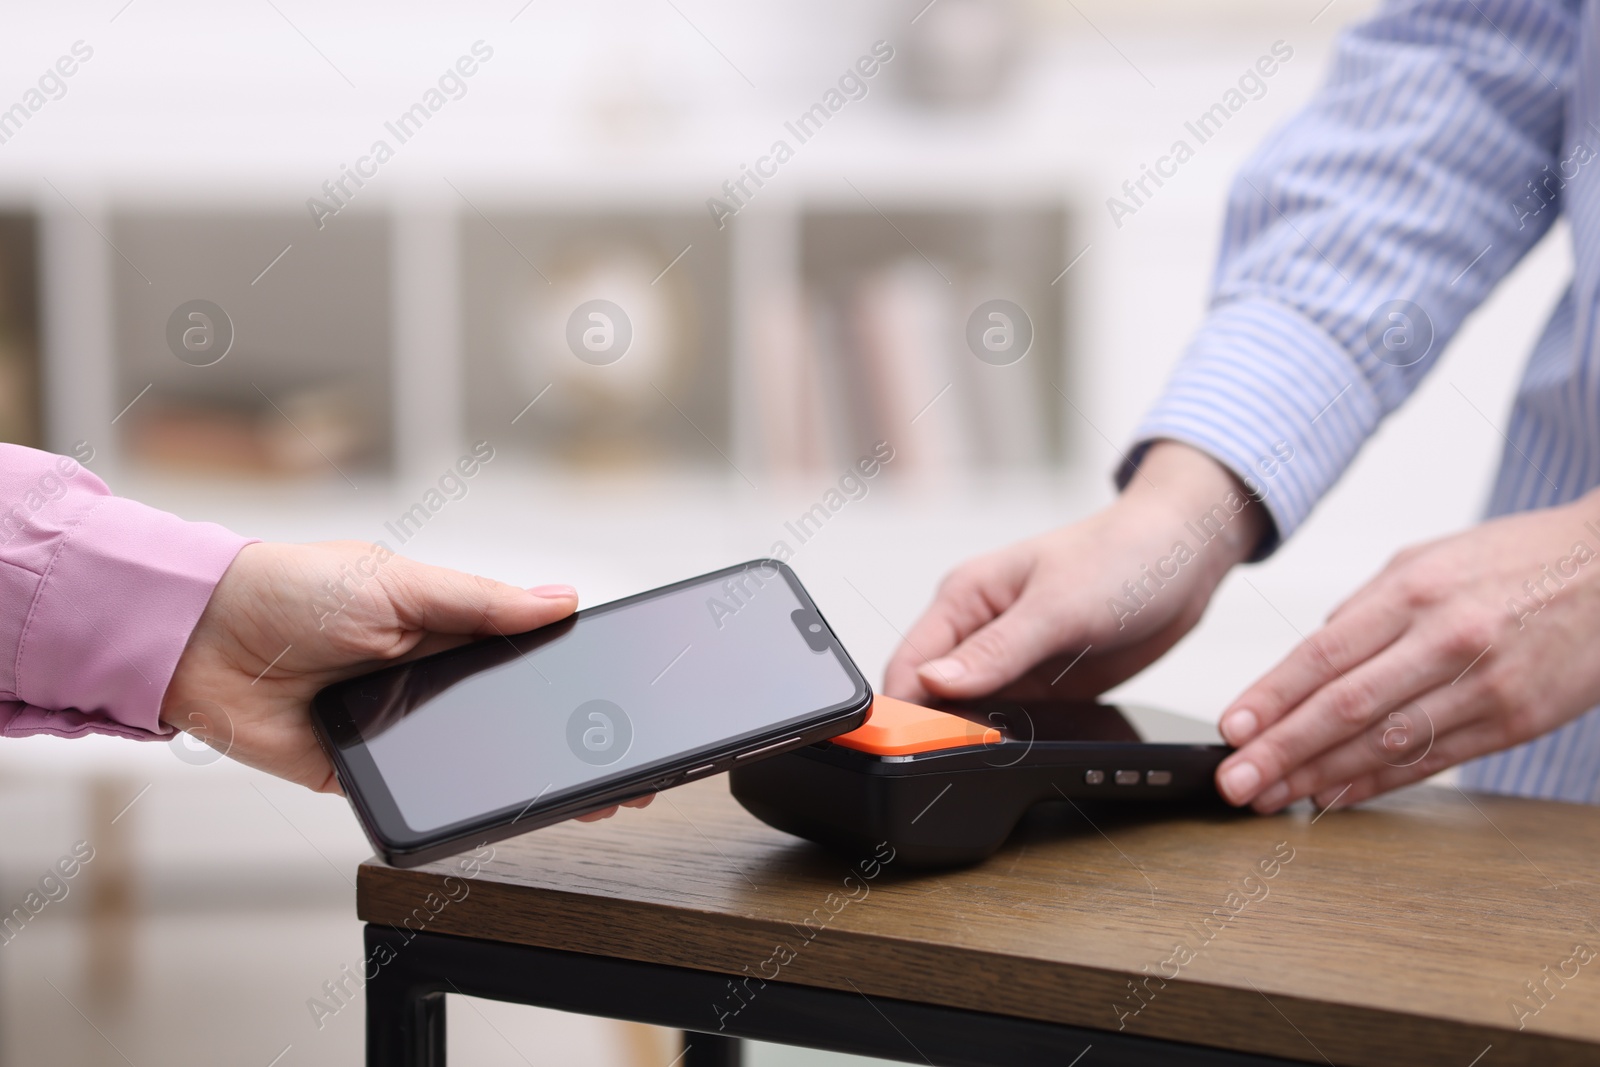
[[287, 620], [1117, 589], [1458, 648]]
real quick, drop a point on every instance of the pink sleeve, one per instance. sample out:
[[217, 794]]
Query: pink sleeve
[[98, 596]]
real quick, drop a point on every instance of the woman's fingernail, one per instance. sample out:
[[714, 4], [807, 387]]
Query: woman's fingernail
[[1239, 781], [1274, 797], [1239, 726], [554, 592], [946, 670]]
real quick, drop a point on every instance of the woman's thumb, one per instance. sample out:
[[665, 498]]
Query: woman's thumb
[[440, 600]]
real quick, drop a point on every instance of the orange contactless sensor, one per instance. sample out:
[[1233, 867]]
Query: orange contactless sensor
[[897, 728]]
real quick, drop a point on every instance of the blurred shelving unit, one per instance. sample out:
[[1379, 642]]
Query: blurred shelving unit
[[434, 308], [579, 163], [401, 332]]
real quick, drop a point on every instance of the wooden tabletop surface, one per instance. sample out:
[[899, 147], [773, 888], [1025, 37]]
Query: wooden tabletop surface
[[1420, 928]]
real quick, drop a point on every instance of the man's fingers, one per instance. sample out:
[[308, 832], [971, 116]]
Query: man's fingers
[[932, 635], [1333, 651], [998, 653], [900, 677], [1399, 739], [1448, 749], [1337, 711], [967, 599], [440, 600]]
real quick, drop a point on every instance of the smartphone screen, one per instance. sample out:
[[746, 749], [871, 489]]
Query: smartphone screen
[[613, 692]]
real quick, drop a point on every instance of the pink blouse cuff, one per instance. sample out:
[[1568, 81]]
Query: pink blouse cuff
[[112, 615]]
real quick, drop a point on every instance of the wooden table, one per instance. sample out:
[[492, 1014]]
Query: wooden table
[[1406, 931]]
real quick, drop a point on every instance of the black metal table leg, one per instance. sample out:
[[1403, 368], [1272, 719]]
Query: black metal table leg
[[711, 1050], [405, 1013]]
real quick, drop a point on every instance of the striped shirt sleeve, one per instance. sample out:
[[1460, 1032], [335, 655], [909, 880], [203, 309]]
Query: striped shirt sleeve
[[1363, 232]]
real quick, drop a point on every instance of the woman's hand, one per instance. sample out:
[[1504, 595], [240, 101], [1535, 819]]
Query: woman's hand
[[287, 620], [1117, 590], [1461, 647]]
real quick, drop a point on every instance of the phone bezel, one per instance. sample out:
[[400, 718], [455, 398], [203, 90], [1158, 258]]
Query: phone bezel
[[402, 846]]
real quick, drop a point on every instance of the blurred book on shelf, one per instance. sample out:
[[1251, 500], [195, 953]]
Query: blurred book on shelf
[[19, 332], [1010, 407], [794, 423], [902, 317], [875, 344]]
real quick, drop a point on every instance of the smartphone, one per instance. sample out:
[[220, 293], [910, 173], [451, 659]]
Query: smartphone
[[511, 733]]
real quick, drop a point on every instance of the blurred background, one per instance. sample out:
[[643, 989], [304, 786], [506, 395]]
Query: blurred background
[[277, 264]]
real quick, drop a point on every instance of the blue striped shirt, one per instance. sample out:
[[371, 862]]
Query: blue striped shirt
[[1449, 136]]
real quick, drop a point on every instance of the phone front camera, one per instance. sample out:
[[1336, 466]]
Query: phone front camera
[[811, 628]]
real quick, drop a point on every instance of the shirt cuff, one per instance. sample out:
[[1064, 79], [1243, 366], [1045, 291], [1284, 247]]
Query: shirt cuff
[[111, 618], [1269, 395]]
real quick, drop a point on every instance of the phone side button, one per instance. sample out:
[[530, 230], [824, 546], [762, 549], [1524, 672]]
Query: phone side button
[[1126, 777], [695, 772], [766, 748], [1158, 778]]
